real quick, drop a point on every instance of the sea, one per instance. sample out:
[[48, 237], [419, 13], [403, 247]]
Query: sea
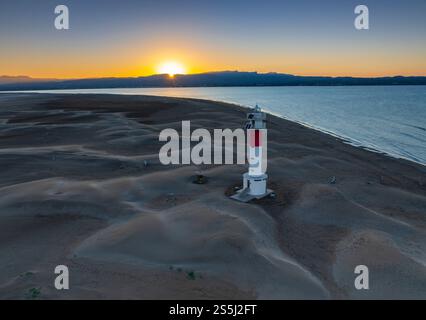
[[385, 119]]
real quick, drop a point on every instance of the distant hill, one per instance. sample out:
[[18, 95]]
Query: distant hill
[[211, 79], [21, 79]]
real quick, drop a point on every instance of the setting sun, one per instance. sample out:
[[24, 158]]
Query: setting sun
[[171, 68]]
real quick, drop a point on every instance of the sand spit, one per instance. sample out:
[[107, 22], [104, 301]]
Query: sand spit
[[81, 185]]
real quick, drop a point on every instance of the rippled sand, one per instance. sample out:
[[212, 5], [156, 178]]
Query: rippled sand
[[81, 185]]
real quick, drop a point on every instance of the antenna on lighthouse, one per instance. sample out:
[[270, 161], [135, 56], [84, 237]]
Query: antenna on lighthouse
[[255, 180]]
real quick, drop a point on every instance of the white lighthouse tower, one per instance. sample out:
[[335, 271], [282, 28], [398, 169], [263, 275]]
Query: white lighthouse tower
[[255, 180]]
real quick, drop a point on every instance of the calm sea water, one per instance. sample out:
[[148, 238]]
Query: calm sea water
[[389, 119]]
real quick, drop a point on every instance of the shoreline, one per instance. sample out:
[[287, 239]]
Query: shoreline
[[74, 190], [347, 140]]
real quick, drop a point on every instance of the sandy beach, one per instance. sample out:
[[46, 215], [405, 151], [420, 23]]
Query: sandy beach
[[81, 185]]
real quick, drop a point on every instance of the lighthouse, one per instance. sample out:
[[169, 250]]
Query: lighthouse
[[255, 180]]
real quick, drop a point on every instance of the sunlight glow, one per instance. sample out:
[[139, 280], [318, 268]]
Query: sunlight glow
[[171, 68]]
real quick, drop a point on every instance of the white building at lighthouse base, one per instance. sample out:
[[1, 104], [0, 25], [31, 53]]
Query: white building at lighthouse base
[[253, 188]]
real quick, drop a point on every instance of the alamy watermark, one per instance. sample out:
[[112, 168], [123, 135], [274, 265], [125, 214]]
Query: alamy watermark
[[62, 281], [62, 20], [362, 20], [251, 147], [362, 281]]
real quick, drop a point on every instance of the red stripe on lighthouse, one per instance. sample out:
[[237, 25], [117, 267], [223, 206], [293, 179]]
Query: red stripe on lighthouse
[[255, 138]]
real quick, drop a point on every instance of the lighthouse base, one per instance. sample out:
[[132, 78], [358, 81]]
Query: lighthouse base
[[253, 188]]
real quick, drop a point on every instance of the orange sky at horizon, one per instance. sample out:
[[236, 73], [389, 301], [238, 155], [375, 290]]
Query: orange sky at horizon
[[134, 38], [125, 58], [132, 64]]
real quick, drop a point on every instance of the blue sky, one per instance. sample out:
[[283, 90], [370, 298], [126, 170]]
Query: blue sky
[[131, 37]]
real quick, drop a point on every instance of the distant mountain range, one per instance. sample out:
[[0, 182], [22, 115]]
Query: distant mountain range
[[21, 79], [210, 79]]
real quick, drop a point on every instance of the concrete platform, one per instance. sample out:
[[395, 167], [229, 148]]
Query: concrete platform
[[243, 195]]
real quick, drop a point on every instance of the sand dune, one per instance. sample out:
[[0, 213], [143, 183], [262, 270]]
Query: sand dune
[[81, 185]]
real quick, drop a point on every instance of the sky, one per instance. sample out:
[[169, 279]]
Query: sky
[[134, 38]]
